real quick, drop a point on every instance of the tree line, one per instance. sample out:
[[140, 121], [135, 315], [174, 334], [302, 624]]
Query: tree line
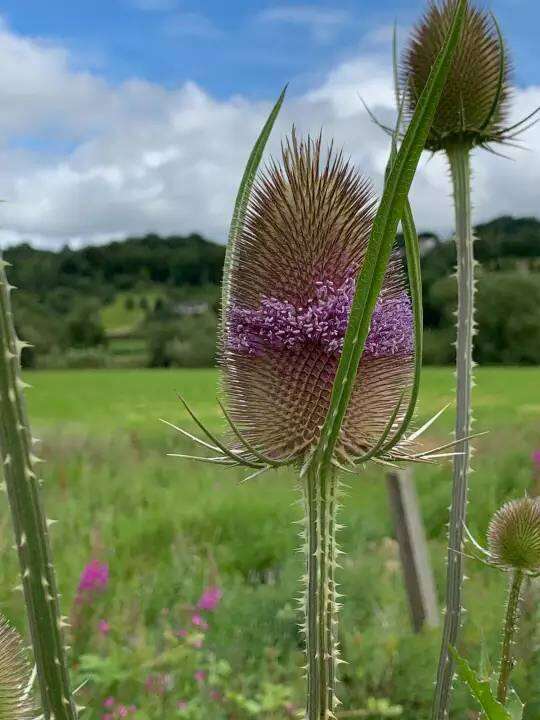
[[164, 292]]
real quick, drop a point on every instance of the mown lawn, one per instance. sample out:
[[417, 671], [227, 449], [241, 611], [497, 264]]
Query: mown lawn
[[169, 529]]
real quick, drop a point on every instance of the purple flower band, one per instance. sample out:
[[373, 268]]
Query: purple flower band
[[280, 325]]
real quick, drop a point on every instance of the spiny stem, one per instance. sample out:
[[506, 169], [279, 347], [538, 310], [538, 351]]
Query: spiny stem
[[459, 159], [510, 627], [320, 490], [30, 525]]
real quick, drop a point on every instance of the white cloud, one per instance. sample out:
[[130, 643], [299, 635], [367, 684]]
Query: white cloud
[[144, 158], [322, 23]]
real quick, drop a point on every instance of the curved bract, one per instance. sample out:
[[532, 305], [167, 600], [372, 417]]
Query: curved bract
[[291, 288]]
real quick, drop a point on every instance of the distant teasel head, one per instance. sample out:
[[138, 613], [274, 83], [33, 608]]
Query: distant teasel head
[[474, 105], [292, 282], [514, 535]]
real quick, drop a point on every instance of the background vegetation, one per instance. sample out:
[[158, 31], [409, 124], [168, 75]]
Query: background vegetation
[[154, 301], [168, 530]]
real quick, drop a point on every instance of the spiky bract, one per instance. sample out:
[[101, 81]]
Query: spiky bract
[[15, 703], [292, 281], [474, 105], [514, 535]]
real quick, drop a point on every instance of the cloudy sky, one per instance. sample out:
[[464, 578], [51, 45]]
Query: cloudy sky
[[129, 116]]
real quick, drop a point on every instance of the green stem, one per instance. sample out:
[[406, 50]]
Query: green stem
[[30, 525], [510, 627], [459, 159], [320, 491]]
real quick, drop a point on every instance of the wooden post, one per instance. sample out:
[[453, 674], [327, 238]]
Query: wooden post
[[413, 550]]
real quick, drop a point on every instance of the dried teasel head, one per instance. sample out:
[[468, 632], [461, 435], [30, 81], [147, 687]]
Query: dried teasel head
[[474, 105], [291, 286], [514, 536], [15, 701]]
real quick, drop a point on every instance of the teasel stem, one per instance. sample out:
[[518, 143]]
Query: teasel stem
[[510, 627], [320, 498], [30, 524], [459, 160]]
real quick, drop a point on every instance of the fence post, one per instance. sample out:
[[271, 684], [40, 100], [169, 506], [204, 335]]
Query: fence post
[[413, 550]]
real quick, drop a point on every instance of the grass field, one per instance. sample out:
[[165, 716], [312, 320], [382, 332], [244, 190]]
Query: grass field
[[168, 530]]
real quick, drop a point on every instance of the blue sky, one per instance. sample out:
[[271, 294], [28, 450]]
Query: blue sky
[[238, 45], [131, 116]]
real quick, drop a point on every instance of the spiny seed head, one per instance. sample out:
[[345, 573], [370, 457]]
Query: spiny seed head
[[474, 104], [514, 535], [14, 676], [292, 283]]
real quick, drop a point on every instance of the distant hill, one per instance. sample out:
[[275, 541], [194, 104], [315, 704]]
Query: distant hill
[[120, 265], [154, 300]]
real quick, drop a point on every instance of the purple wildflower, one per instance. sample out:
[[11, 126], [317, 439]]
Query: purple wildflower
[[536, 458], [94, 578], [210, 599]]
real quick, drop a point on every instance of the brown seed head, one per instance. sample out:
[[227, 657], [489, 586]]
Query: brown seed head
[[474, 104], [514, 535], [292, 281]]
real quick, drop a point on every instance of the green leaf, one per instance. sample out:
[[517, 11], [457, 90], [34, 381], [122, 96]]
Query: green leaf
[[514, 705], [390, 212], [242, 200], [480, 690]]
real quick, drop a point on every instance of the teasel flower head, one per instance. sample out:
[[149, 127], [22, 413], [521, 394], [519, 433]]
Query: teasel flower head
[[15, 701], [514, 536], [292, 284], [474, 106]]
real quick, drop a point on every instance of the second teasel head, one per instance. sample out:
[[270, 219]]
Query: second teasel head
[[291, 288], [474, 106], [514, 536]]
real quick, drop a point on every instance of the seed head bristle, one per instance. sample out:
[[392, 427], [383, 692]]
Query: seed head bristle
[[15, 703], [514, 535], [292, 284], [474, 105]]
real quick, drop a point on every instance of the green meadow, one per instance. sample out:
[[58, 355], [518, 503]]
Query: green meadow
[[169, 529]]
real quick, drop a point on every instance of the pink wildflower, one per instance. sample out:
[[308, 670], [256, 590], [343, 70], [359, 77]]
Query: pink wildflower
[[109, 702], [122, 711], [199, 621], [103, 627], [536, 458], [156, 684], [182, 705], [94, 578], [182, 633], [108, 716], [200, 676], [210, 598]]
